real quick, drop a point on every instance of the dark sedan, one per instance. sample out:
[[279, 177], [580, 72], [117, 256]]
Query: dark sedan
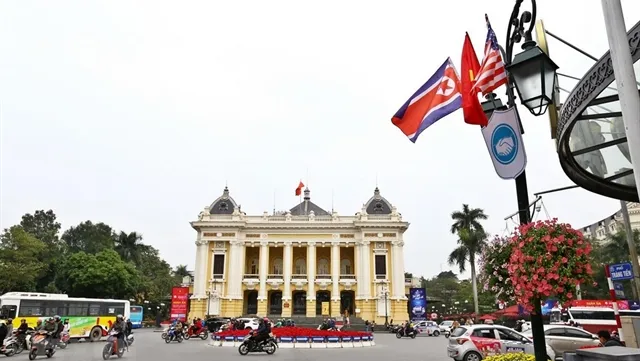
[[214, 323]]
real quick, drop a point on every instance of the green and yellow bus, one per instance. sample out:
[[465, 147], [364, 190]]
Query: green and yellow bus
[[89, 318]]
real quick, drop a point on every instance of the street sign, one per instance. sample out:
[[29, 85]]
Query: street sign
[[621, 271], [619, 288]]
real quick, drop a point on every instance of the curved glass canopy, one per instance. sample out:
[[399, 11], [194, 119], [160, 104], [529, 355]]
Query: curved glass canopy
[[592, 143]]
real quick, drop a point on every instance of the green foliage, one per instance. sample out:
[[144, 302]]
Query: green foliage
[[446, 288], [89, 238], [103, 275], [89, 260], [20, 254]]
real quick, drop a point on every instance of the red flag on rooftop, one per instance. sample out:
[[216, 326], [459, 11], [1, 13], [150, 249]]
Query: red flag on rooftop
[[473, 113], [299, 189]]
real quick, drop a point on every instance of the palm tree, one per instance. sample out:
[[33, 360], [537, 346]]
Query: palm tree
[[470, 244], [130, 247], [468, 218], [181, 271], [616, 249]]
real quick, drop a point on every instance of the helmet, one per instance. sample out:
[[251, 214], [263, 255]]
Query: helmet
[[119, 317], [56, 318], [266, 320]]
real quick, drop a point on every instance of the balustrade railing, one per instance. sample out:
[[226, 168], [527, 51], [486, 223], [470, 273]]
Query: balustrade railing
[[347, 277], [274, 276], [251, 276], [299, 276], [323, 277]]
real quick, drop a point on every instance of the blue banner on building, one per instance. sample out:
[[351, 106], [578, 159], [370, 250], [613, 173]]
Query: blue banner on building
[[418, 304]]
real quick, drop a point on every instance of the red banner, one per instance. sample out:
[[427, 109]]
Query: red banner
[[179, 303], [622, 305]]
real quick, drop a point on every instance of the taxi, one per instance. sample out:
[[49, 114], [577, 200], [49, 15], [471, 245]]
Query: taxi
[[473, 343], [427, 328]]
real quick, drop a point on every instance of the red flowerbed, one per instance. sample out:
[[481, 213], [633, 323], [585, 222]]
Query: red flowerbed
[[298, 332]]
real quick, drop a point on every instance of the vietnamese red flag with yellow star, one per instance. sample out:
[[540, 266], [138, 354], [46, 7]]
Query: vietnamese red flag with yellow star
[[471, 107]]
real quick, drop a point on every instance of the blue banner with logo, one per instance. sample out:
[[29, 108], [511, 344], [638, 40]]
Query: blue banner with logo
[[417, 304]]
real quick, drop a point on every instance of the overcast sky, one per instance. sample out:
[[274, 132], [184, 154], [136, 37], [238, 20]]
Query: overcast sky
[[136, 113]]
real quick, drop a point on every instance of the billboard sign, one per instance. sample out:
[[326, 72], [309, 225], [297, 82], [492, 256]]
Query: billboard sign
[[621, 271], [180, 303], [417, 304]]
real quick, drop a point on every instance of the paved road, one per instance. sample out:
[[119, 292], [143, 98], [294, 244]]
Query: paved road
[[150, 347]]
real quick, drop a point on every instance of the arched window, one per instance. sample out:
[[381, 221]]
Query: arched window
[[277, 266], [301, 266], [345, 267], [323, 267], [253, 267]]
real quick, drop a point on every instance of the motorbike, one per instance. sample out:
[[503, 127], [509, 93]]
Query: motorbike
[[41, 345], [269, 345], [203, 333], [11, 346], [401, 333], [173, 335], [26, 341], [64, 340], [112, 347], [165, 332]]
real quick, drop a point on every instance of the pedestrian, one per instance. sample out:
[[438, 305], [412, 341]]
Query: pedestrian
[[606, 340]]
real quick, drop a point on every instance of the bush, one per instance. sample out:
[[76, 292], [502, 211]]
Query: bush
[[511, 357]]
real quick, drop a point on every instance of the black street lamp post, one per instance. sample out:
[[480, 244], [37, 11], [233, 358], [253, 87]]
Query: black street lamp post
[[533, 75], [386, 308]]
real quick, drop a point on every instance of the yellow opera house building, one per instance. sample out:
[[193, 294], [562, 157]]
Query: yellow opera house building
[[304, 262]]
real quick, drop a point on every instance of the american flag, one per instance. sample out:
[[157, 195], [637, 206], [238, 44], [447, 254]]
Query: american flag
[[492, 73]]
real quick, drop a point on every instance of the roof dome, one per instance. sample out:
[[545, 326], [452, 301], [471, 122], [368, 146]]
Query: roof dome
[[378, 204], [306, 207], [224, 204]]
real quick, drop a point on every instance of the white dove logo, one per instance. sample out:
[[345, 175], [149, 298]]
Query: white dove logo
[[505, 146]]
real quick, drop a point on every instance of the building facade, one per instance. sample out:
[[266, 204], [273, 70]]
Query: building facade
[[610, 225], [304, 262]]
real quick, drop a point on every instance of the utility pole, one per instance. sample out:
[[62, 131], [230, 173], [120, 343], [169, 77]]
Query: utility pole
[[633, 254]]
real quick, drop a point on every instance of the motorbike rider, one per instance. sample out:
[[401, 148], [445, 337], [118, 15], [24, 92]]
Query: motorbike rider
[[128, 327], [10, 326], [408, 328], [21, 332], [59, 328], [262, 333], [3, 334], [50, 328], [119, 327], [178, 328]]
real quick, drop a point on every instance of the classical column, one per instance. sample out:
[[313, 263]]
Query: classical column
[[200, 278], [358, 268], [397, 280], [335, 271], [366, 270], [236, 268], [264, 269], [287, 254], [231, 270], [311, 270]]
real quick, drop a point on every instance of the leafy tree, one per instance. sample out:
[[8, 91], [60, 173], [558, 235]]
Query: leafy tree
[[103, 275], [470, 243], [130, 247], [20, 265], [468, 218], [447, 274], [156, 278], [44, 226], [89, 238]]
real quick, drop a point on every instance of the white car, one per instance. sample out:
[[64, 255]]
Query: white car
[[445, 326], [473, 343], [427, 328], [250, 322]]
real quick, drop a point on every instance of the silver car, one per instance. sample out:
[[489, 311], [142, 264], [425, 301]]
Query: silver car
[[473, 343], [563, 338], [445, 326]]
